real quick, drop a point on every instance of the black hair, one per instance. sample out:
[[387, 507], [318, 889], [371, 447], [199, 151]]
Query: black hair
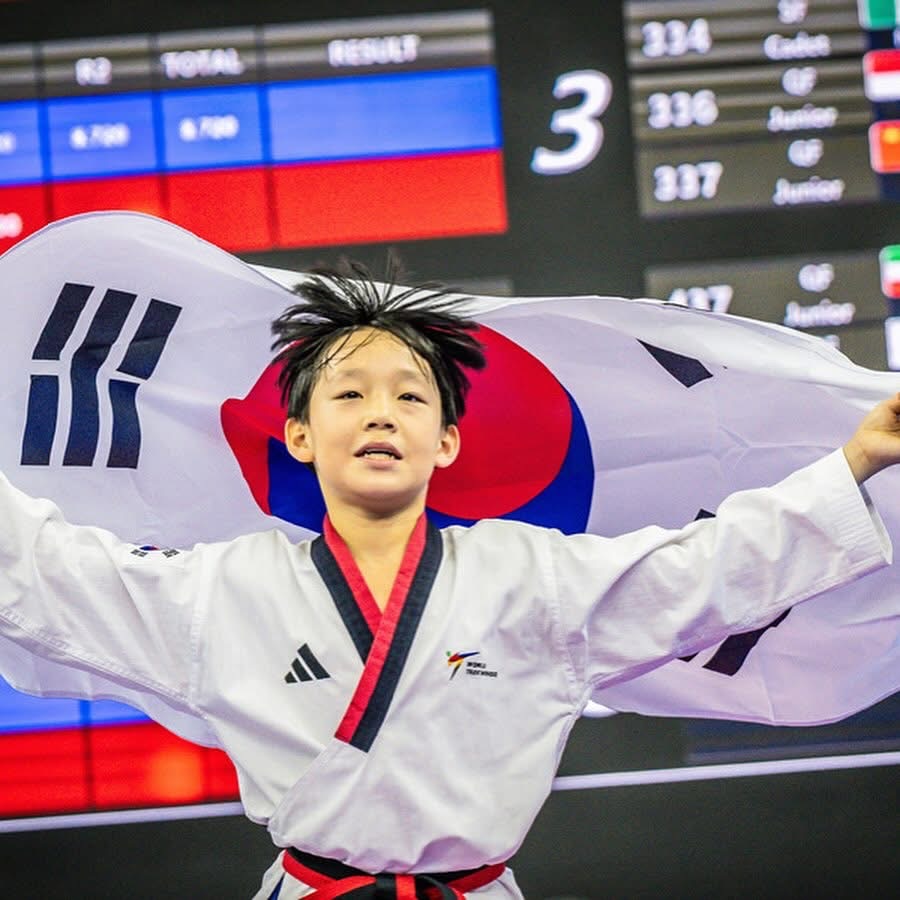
[[426, 318]]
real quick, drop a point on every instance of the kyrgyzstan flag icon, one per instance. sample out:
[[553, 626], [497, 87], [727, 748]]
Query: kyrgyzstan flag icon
[[884, 146], [882, 75]]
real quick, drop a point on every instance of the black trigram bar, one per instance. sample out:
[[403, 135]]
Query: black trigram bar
[[104, 329], [686, 369], [140, 360]]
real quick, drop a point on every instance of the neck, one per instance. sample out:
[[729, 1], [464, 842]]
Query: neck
[[373, 537]]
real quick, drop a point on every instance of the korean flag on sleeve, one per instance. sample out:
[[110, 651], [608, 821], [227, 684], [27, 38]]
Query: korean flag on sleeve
[[137, 393]]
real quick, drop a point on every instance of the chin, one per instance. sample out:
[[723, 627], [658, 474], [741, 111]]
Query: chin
[[390, 500]]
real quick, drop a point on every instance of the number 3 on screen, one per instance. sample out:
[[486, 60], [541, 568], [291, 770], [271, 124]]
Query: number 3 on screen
[[580, 121]]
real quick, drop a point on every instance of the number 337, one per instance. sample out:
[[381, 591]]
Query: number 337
[[580, 121]]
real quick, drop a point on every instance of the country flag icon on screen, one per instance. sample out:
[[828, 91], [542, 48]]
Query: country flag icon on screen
[[889, 263], [881, 69], [878, 14], [884, 146]]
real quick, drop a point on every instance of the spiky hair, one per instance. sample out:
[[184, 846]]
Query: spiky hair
[[426, 318]]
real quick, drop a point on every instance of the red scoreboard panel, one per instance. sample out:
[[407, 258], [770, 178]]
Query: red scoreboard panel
[[111, 766], [281, 136]]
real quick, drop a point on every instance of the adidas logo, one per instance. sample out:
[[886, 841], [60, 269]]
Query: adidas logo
[[305, 667]]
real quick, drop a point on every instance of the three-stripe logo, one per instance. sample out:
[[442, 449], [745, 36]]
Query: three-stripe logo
[[305, 667], [138, 363]]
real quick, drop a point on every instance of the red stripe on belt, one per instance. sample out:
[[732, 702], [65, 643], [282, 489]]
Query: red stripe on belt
[[400, 887]]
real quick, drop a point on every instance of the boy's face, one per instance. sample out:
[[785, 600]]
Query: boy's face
[[374, 429]]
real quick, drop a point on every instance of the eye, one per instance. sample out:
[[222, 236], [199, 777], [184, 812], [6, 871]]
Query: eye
[[349, 395], [410, 396]]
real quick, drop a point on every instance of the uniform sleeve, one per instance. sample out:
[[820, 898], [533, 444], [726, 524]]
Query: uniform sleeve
[[77, 599], [631, 603]]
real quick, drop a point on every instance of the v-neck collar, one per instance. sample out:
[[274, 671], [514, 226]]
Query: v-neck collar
[[382, 639]]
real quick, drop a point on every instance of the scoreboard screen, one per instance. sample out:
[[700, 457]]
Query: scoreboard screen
[[291, 121], [738, 157], [757, 105]]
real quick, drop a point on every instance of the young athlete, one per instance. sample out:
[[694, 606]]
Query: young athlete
[[390, 776]]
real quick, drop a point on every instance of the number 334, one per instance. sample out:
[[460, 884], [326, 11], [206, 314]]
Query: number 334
[[580, 121]]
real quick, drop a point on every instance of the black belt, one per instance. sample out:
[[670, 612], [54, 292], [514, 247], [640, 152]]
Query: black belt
[[332, 878]]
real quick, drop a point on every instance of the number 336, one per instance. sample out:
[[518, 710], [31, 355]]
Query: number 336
[[580, 121]]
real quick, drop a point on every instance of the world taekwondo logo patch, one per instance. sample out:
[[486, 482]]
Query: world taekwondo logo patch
[[455, 661], [108, 324], [464, 661]]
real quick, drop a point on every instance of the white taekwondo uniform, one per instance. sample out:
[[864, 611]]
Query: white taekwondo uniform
[[423, 739]]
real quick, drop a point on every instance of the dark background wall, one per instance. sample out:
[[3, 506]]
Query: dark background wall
[[821, 834]]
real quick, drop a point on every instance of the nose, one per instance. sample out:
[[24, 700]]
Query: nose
[[379, 415], [378, 423]]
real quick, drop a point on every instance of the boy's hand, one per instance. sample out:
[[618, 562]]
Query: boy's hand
[[876, 443]]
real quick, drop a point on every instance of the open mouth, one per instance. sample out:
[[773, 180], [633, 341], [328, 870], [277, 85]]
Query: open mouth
[[379, 451]]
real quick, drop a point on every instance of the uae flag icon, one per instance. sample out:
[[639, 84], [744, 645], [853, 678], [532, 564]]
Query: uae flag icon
[[877, 14], [881, 70], [889, 263], [884, 146]]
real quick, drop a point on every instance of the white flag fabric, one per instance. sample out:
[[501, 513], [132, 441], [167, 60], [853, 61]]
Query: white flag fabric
[[137, 393]]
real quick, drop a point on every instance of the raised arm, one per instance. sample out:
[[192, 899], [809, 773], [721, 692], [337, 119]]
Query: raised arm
[[876, 443], [631, 603], [79, 598]]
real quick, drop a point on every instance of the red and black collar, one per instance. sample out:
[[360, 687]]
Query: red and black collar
[[383, 640]]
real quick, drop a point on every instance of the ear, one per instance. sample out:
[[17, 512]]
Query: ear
[[297, 439], [448, 449]]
